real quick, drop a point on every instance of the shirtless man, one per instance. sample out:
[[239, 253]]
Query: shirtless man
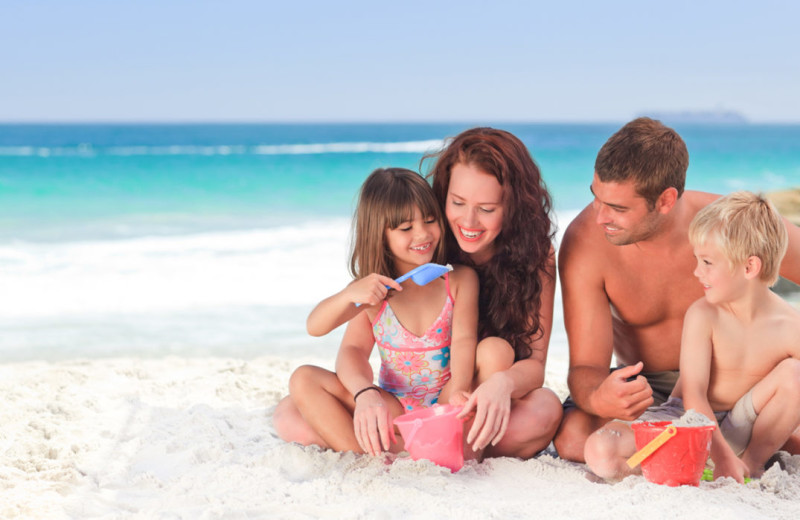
[[626, 267]]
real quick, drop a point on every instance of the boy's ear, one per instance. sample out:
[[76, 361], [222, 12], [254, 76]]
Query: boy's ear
[[666, 201], [752, 267]]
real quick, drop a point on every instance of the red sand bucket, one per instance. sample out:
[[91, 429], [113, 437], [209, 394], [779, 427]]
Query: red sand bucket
[[681, 459], [435, 434]]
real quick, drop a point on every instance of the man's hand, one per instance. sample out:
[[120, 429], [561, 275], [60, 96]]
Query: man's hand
[[624, 394]]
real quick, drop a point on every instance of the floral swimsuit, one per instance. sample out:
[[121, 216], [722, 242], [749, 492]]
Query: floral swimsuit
[[414, 368]]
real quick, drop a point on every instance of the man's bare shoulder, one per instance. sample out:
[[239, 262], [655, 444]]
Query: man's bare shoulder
[[697, 200], [583, 237]]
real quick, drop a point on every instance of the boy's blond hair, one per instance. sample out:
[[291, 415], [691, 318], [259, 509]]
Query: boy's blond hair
[[743, 224]]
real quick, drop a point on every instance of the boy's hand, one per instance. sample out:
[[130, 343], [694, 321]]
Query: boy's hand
[[372, 423], [624, 394], [731, 466], [370, 290]]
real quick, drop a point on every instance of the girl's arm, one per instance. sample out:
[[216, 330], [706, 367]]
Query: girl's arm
[[695, 370], [340, 308], [464, 286], [372, 418]]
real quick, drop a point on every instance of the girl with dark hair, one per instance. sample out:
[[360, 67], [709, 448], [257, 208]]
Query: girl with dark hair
[[498, 211], [426, 334]]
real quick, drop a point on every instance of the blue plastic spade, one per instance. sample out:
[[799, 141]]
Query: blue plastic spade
[[423, 274]]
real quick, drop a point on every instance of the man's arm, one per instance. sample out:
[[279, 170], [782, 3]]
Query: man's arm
[[790, 267], [587, 318]]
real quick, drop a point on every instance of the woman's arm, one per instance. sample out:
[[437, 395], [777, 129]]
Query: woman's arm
[[464, 285], [492, 398], [341, 307], [528, 374]]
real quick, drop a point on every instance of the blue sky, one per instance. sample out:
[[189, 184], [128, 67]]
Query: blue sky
[[248, 60]]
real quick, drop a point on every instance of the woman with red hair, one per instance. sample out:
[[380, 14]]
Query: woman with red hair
[[498, 211]]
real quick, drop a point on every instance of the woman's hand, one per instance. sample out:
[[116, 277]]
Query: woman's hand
[[491, 402], [370, 290], [372, 422]]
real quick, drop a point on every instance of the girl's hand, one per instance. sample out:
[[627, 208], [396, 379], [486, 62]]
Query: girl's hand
[[492, 404], [370, 290], [372, 423], [459, 398]]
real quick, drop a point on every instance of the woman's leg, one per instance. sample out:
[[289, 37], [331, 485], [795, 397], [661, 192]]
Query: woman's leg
[[531, 427], [534, 417]]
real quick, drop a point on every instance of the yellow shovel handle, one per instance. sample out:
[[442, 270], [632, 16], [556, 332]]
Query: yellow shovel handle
[[652, 446]]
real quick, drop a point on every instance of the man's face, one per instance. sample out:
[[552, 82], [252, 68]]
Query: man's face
[[623, 214]]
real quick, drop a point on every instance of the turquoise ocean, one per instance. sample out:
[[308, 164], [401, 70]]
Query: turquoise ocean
[[217, 239]]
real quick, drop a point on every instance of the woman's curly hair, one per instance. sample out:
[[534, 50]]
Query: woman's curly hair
[[511, 282]]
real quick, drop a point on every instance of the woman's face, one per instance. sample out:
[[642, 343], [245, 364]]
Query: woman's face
[[474, 210]]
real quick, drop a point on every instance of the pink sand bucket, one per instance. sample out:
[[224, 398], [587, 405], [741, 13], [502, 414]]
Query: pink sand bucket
[[672, 455], [435, 434]]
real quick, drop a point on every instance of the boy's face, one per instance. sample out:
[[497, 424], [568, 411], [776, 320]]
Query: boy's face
[[721, 283]]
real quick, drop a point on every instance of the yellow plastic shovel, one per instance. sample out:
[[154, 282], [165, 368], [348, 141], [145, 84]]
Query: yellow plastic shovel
[[652, 446]]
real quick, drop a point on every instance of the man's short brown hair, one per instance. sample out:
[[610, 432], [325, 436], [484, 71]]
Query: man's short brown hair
[[652, 155]]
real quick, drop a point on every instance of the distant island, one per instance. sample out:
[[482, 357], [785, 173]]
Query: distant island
[[705, 117]]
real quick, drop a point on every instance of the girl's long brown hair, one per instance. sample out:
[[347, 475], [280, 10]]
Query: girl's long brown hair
[[386, 200], [511, 282]]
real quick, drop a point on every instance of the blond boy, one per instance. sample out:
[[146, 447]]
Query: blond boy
[[740, 349]]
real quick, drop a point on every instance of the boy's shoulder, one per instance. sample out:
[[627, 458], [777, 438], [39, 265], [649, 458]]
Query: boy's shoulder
[[703, 309], [784, 314]]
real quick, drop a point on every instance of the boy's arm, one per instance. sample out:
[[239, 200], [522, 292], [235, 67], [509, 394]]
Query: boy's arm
[[340, 308], [464, 340], [695, 370]]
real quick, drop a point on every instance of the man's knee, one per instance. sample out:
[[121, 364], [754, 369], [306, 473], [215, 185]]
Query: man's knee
[[571, 436], [606, 451]]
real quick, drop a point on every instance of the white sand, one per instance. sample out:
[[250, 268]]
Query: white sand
[[192, 438]]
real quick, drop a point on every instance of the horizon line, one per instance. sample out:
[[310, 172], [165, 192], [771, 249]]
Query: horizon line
[[476, 121]]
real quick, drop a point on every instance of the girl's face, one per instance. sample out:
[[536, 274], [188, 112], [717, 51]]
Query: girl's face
[[413, 242], [474, 210]]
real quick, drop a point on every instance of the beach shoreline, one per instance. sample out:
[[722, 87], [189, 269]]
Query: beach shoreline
[[181, 437]]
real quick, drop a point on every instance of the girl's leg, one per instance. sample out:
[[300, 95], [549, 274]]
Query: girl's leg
[[325, 405], [291, 427], [776, 400]]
